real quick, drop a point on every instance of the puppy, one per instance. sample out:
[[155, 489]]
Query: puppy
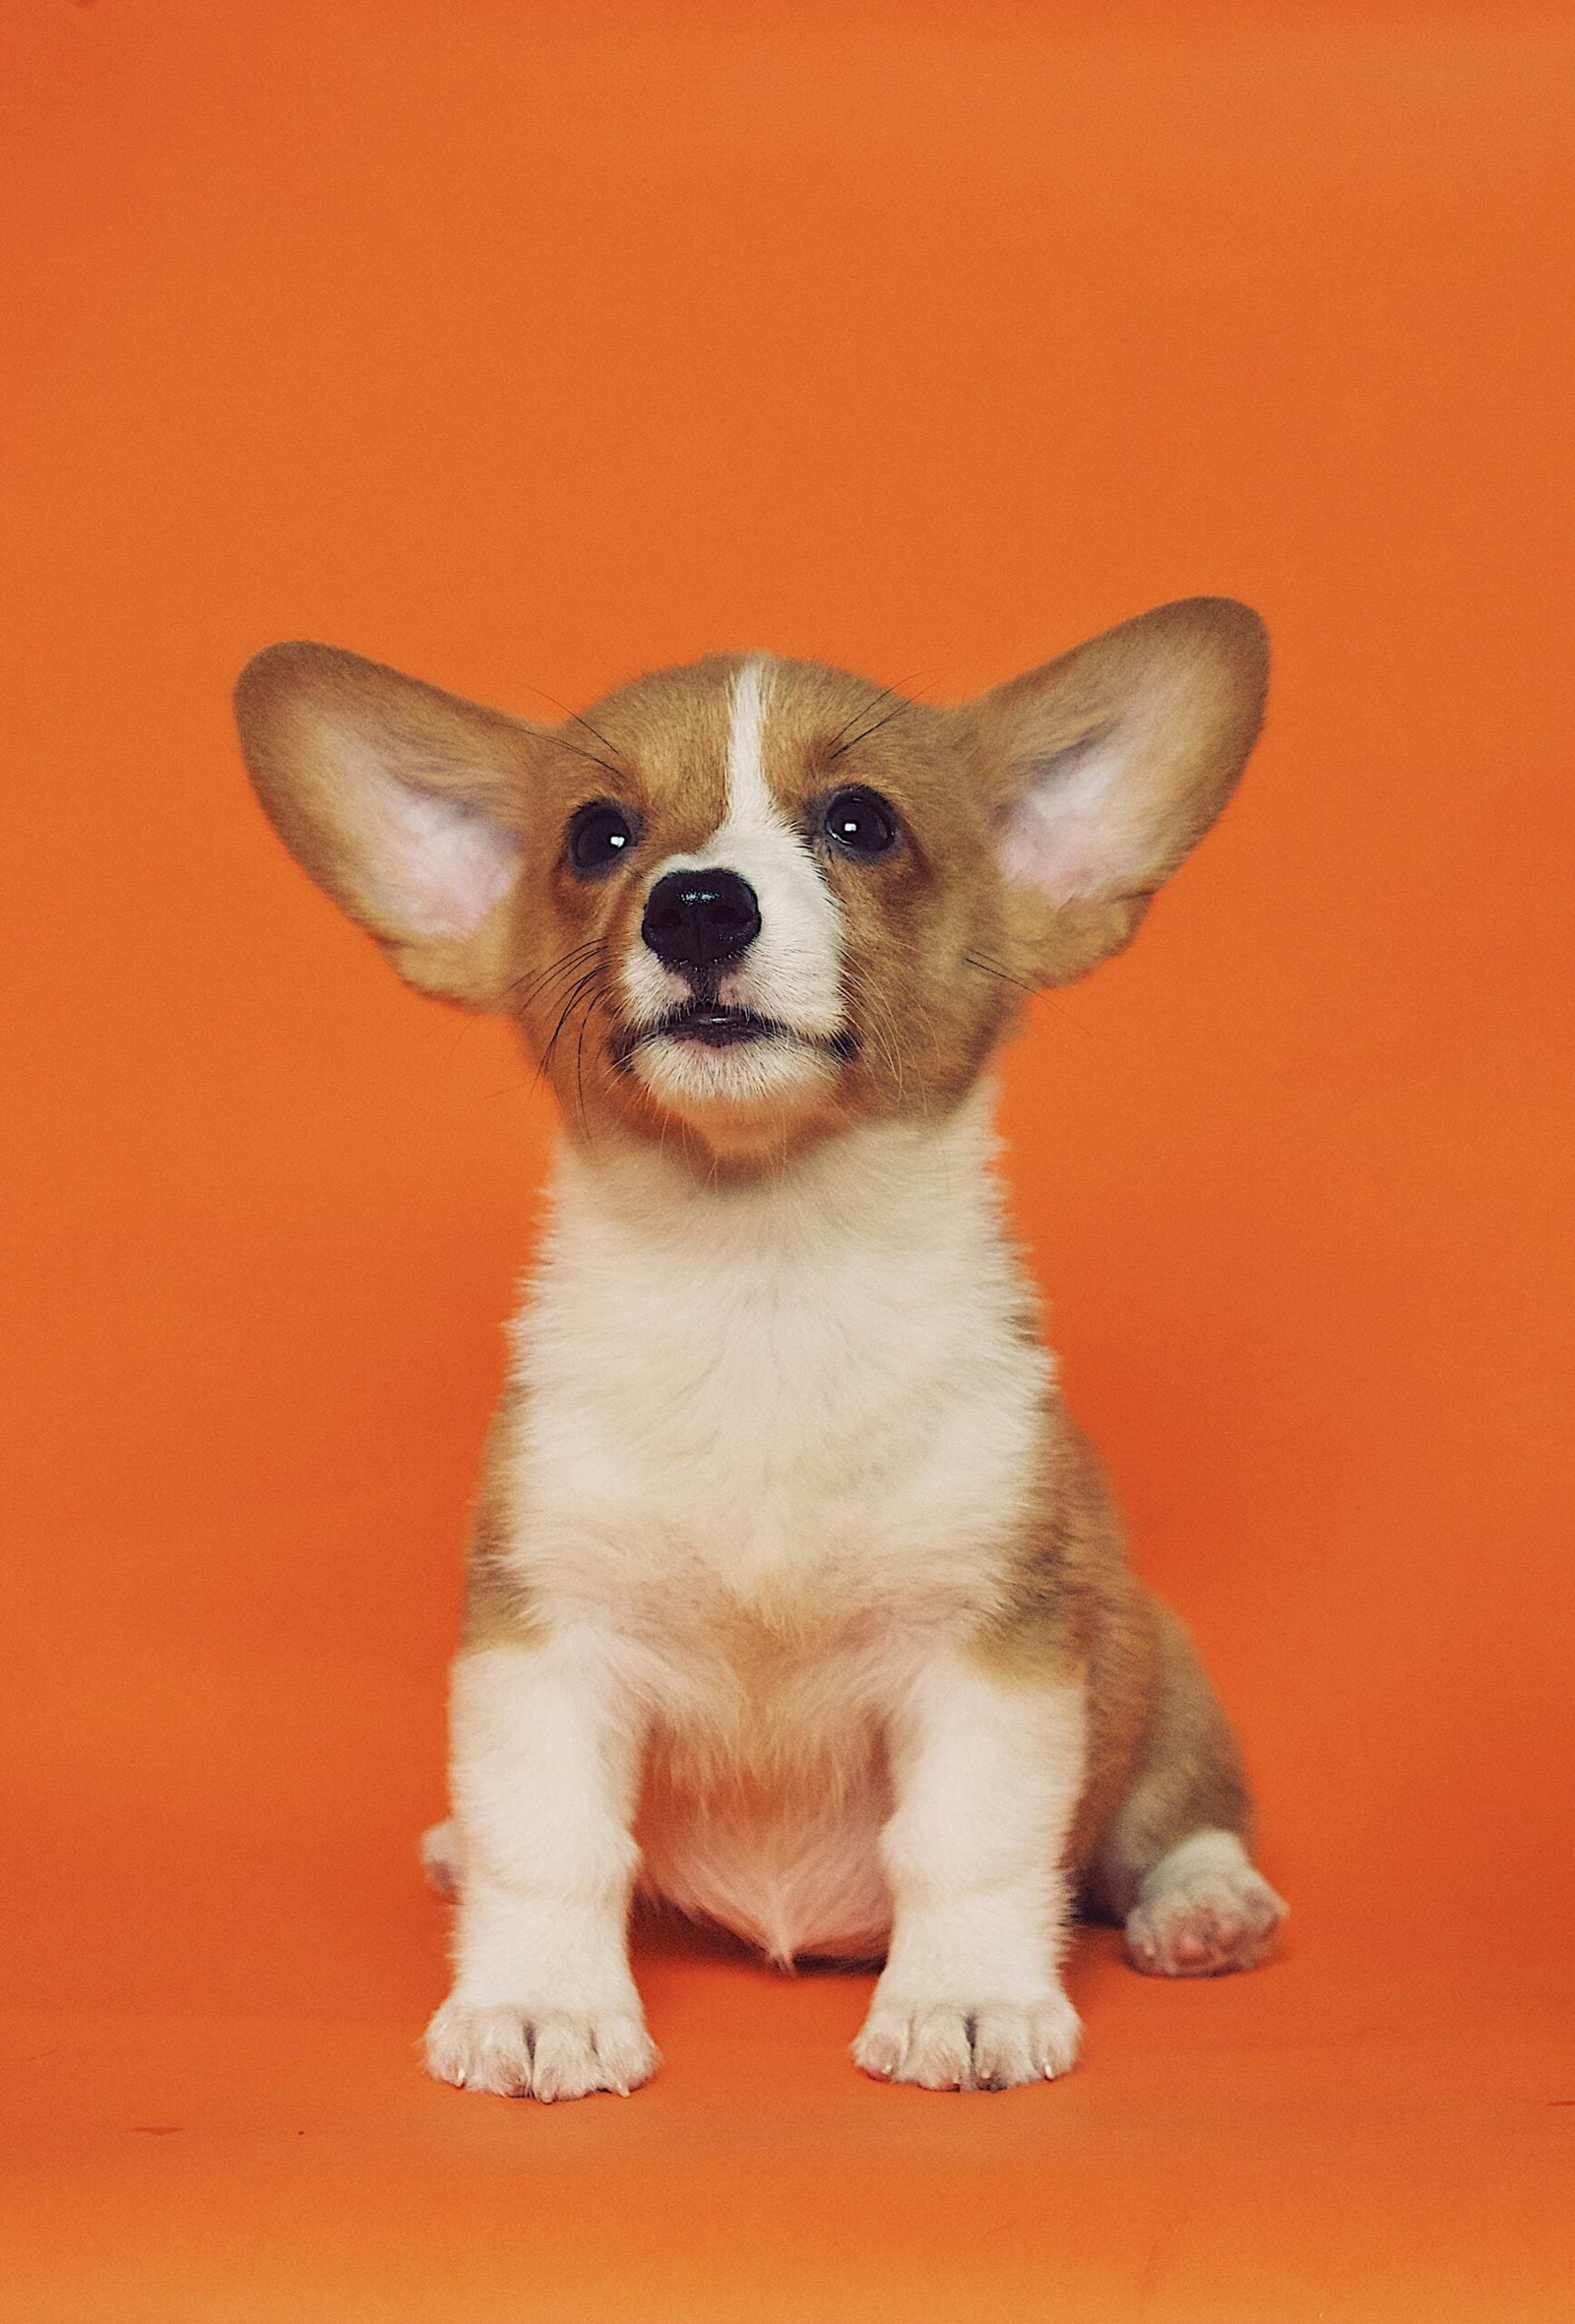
[[795, 1598]]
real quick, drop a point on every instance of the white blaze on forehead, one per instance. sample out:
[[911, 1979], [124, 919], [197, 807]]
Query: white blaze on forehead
[[794, 970], [750, 801]]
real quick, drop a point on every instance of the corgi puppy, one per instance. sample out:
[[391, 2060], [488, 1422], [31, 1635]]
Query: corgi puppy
[[795, 1598]]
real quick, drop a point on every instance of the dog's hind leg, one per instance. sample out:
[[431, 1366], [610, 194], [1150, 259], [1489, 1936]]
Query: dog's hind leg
[[1173, 1864]]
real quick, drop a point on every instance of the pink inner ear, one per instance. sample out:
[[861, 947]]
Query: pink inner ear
[[436, 864], [1071, 831]]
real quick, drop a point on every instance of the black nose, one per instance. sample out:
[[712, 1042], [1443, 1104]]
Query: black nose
[[694, 918]]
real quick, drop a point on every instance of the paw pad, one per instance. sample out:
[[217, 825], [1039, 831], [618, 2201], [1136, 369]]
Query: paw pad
[[1204, 1921]]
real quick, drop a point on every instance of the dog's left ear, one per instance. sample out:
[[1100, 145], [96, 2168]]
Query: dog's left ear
[[1106, 766], [403, 803]]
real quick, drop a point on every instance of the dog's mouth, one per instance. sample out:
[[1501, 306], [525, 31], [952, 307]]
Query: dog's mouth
[[717, 1025]]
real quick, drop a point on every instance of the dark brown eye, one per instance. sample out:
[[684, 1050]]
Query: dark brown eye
[[861, 823], [600, 835]]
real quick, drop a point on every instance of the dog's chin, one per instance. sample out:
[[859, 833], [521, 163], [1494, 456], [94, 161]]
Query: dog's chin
[[740, 1081]]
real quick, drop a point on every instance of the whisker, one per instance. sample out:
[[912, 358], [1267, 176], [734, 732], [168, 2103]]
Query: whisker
[[863, 712], [971, 959], [558, 989], [586, 984], [907, 703], [618, 774], [1034, 991], [533, 981], [866, 732], [580, 720], [594, 1003], [882, 694]]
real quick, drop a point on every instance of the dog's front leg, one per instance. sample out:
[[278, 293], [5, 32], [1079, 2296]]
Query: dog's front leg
[[986, 1773], [545, 1775]]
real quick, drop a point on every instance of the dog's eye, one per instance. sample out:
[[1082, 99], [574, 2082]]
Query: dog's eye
[[598, 836], [861, 823]]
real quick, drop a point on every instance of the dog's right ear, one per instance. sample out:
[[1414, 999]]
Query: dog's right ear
[[404, 803]]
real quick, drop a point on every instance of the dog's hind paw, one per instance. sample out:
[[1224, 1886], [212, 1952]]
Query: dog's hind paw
[[1203, 1910]]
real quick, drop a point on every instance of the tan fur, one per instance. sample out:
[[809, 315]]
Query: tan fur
[[1162, 1759], [497, 1601], [1185, 1776]]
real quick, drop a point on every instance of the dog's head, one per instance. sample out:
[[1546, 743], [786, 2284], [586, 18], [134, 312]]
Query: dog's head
[[760, 899]]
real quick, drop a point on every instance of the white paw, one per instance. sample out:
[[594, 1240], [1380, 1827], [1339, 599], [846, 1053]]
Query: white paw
[[1203, 1910], [969, 2045], [545, 2053]]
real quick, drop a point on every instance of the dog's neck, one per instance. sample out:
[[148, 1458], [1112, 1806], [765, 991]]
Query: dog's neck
[[910, 1186], [869, 1275]]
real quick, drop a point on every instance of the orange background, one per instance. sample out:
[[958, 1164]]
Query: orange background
[[525, 345]]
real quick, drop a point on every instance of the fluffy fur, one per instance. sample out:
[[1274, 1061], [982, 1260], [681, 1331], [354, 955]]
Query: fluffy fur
[[793, 1595]]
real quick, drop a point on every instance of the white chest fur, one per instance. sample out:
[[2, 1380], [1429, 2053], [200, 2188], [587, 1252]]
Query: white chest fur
[[775, 1422]]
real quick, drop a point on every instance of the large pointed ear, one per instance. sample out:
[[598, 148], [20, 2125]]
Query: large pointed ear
[[403, 803], [1106, 766]]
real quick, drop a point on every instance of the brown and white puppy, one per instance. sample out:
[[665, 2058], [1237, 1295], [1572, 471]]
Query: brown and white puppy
[[794, 1597]]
